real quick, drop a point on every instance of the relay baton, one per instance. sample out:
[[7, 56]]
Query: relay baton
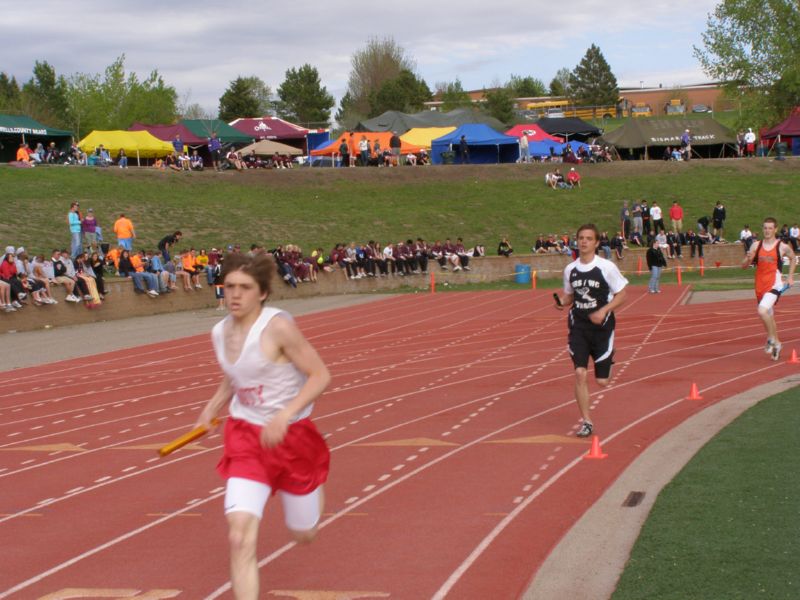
[[186, 438]]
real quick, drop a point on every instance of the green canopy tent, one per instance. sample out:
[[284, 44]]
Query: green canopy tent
[[17, 129], [645, 138], [203, 128]]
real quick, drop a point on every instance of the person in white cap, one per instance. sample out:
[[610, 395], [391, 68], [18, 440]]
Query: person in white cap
[[574, 178]]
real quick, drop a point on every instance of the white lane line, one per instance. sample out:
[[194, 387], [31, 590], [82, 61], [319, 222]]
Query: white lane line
[[384, 477]]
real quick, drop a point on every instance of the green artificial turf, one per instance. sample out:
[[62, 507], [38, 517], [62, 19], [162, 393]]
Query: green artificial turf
[[728, 526]]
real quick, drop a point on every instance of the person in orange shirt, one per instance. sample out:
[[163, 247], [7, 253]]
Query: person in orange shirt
[[23, 156], [190, 270], [113, 256], [125, 232], [768, 255]]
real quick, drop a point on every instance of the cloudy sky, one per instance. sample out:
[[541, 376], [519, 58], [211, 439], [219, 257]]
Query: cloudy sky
[[199, 47]]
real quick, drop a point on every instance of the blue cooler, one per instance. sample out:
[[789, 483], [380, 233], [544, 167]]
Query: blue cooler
[[522, 273]]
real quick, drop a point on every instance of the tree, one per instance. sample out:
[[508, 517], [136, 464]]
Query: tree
[[9, 93], [406, 92], [752, 45], [379, 61], [303, 99], [115, 100], [561, 84], [526, 87], [592, 82], [245, 97], [499, 102], [44, 96], [453, 95]]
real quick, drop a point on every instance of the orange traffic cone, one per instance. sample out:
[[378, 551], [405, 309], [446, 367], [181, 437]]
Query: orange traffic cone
[[595, 451], [793, 360], [694, 394]]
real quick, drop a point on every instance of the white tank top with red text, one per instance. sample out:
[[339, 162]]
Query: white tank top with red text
[[261, 387]]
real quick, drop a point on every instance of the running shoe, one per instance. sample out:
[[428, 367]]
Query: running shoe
[[776, 351], [585, 430], [768, 347]]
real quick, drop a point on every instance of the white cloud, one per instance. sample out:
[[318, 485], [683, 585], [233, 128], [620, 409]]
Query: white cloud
[[201, 47]]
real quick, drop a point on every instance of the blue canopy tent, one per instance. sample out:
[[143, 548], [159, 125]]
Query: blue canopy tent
[[485, 145], [540, 149]]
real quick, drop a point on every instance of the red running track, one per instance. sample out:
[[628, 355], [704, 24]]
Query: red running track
[[455, 468]]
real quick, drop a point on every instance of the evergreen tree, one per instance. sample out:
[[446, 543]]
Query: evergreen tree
[[592, 82], [9, 93], [44, 96], [303, 99], [244, 97]]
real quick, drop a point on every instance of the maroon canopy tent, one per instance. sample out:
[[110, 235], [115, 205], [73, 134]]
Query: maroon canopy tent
[[168, 133], [788, 132], [270, 128]]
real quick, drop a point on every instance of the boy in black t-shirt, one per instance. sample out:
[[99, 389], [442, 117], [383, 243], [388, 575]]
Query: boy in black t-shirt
[[593, 288]]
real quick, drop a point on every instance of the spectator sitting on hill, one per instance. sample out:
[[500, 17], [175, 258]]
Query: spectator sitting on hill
[[661, 238], [504, 248], [674, 243], [411, 159], [573, 178], [232, 161], [676, 154], [196, 161]]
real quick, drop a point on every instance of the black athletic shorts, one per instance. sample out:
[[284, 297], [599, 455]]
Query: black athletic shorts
[[587, 340]]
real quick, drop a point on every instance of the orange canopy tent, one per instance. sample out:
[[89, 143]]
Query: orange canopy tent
[[381, 136]]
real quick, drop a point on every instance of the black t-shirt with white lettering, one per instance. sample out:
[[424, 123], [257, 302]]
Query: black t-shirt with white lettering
[[592, 285]]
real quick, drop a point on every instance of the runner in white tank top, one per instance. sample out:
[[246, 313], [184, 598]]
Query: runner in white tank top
[[271, 378]]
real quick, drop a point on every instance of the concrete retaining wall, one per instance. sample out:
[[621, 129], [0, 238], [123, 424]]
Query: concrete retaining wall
[[122, 302]]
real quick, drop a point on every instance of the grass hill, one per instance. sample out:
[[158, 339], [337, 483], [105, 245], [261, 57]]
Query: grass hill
[[318, 207]]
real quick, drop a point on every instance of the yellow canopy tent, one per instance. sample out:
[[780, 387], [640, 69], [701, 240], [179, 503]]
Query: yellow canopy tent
[[422, 136], [140, 144]]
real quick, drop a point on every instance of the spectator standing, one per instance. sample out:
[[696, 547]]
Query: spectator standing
[[177, 144], [656, 263], [676, 216], [636, 216], [657, 218], [463, 150], [750, 143], [524, 148], [645, 218], [344, 152], [89, 229], [215, 150], [718, 217], [167, 242], [625, 219], [394, 145], [125, 232], [74, 220], [686, 145], [363, 150]]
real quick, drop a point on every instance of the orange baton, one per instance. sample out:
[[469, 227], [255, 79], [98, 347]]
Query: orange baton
[[186, 438]]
